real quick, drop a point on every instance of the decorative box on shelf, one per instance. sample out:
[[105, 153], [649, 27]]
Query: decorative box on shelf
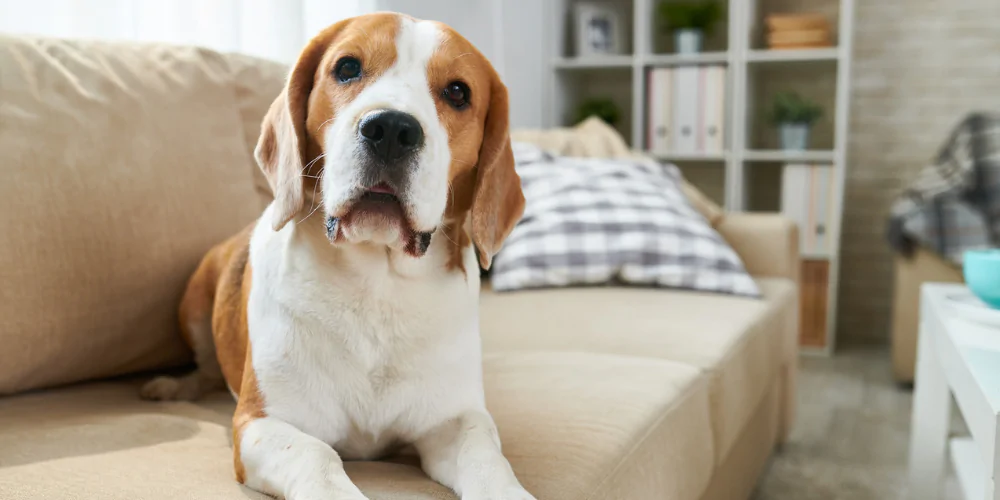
[[798, 31]]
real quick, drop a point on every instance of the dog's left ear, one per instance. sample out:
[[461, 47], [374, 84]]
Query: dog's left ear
[[497, 200], [281, 148]]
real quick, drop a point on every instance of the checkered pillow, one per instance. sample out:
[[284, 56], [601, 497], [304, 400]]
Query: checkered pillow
[[596, 221]]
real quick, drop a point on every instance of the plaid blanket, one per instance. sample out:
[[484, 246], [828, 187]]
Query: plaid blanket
[[954, 205]]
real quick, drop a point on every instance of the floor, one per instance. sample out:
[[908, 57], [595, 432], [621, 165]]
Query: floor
[[852, 434]]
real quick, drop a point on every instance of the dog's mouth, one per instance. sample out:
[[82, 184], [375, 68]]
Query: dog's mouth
[[380, 199], [379, 215]]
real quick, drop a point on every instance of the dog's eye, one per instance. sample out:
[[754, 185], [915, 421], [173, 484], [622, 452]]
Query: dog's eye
[[347, 69], [457, 94]]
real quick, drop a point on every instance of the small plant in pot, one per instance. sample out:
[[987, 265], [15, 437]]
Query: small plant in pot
[[794, 116], [601, 107], [690, 21]]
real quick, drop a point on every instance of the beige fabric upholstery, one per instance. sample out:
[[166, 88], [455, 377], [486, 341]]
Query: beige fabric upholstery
[[736, 341], [256, 83], [769, 247], [767, 243], [740, 470], [923, 267], [593, 138], [122, 166], [574, 426]]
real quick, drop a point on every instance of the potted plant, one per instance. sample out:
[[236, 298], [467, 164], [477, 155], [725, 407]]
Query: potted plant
[[690, 20], [601, 107], [794, 115]]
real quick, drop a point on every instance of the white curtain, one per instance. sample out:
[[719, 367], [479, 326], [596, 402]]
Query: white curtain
[[274, 29]]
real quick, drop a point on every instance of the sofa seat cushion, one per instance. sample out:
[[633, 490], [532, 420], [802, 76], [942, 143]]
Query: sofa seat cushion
[[739, 342], [574, 426]]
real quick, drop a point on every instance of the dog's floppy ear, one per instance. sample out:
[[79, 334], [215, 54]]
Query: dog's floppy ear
[[497, 200], [281, 148]]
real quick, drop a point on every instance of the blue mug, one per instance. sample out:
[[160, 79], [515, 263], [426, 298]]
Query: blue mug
[[982, 274]]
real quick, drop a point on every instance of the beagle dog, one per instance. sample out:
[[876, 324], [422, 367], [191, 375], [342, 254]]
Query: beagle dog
[[345, 320]]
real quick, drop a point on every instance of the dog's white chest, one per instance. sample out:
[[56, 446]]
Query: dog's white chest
[[356, 356]]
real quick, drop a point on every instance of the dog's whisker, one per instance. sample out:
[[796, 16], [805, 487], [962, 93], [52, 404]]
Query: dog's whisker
[[314, 160], [445, 234], [320, 127], [311, 213], [451, 193], [313, 198]]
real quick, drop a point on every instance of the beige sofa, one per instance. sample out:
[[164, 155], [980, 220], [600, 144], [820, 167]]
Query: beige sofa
[[122, 164], [922, 267]]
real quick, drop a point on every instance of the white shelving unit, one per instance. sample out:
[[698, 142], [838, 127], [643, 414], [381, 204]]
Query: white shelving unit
[[571, 77]]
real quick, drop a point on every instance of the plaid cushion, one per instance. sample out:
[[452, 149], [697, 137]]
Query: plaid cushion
[[594, 221]]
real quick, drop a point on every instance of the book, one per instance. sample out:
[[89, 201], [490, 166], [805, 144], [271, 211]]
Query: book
[[712, 103], [659, 113], [685, 91], [807, 198], [794, 199]]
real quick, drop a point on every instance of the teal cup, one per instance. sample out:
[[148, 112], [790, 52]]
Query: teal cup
[[982, 274]]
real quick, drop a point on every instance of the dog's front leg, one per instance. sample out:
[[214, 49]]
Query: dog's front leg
[[274, 457], [464, 454]]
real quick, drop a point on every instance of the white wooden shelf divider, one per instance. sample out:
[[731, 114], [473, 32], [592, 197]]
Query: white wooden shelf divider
[[793, 55], [593, 62], [682, 60], [567, 75], [693, 157], [788, 156]]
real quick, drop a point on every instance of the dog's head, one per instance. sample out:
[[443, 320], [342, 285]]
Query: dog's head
[[393, 127]]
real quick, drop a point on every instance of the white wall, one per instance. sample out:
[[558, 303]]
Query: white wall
[[509, 32]]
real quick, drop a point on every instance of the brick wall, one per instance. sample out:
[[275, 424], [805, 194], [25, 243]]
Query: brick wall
[[919, 65]]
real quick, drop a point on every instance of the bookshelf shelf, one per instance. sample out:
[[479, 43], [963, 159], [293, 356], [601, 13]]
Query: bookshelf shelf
[[815, 256], [692, 157], [788, 156], [615, 62], [746, 174], [793, 55], [682, 60]]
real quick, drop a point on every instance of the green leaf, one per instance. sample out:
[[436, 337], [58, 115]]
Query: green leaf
[[603, 108], [790, 107], [689, 14]]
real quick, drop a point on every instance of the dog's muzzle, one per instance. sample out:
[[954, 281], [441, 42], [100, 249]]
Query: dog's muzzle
[[416, 245]]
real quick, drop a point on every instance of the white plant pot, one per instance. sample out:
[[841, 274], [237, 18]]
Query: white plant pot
[[794, 136], [687, 41]]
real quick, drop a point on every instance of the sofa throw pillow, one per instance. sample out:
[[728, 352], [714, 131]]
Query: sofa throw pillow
[[591, 221]]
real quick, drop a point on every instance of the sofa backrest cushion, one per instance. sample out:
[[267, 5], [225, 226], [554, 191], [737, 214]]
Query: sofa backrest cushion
[[122, 164]]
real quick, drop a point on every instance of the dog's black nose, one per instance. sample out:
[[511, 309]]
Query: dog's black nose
[[391, 135]]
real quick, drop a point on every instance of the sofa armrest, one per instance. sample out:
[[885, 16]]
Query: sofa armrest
[[767, 243], [769, 247]]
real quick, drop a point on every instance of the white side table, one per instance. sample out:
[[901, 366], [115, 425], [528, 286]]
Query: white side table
[[957, 358]]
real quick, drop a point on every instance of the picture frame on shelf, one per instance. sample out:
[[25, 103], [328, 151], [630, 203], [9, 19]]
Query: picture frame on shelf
[[599, 29]]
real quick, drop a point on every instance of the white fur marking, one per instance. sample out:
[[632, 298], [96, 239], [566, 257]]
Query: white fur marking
[[403, 87]]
